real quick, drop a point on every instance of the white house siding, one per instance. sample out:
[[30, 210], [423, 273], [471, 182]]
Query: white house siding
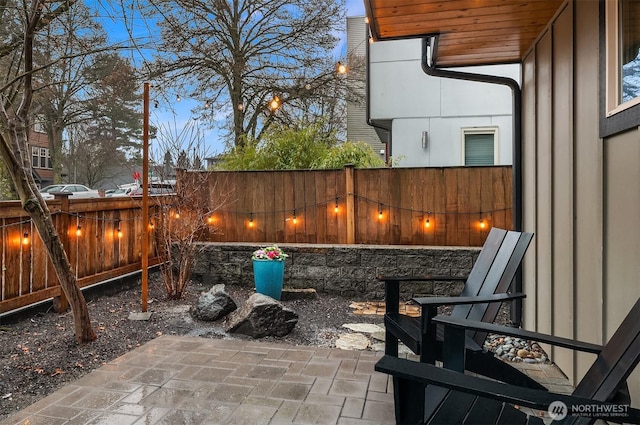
[[581, 196], [416, 102]]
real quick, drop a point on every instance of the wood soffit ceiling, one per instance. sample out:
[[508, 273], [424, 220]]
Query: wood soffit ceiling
[[471, 32]]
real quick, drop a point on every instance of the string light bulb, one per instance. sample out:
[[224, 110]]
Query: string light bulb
[[482, 223], [240, 106], [341, 68], [79, 230], [295, 219], [151, 227], [206, 104], [275, 103], [336, 209], [380, 215], [25, 238], [178, 98], [118, 230], [251, 220], [427, 222], [210, 219]]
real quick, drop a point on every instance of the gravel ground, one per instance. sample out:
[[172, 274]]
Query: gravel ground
[[38, 353]]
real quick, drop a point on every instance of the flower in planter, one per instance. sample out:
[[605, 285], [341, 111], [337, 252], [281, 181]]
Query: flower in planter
[[269, 253]]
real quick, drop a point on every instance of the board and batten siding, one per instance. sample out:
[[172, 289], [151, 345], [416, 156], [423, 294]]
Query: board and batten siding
[[581, 195]]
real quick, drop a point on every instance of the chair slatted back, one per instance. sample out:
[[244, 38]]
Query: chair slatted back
[[615, 362], [497, 279], [483, 263]]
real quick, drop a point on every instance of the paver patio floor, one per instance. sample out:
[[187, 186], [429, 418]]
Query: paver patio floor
[[192, 380]]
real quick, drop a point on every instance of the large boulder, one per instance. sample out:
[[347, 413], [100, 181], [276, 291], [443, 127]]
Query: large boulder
[[213, 305], [262, 316]]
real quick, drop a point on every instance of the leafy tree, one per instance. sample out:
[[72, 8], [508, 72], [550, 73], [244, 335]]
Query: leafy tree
[[236, 56], [21, 22], [63, 49], [360, 154], [114, 103], [284, 148], [90, 157], [183, 161], [112, 132]]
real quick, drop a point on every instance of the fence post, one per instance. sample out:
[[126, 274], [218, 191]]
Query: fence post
[[60, 303], [350, 207]]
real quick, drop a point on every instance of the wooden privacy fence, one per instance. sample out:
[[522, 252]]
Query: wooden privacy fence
[[390, 206], [102, 238], [453, 206]]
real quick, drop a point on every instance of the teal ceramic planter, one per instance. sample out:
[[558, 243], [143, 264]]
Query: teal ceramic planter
[[268, 276]]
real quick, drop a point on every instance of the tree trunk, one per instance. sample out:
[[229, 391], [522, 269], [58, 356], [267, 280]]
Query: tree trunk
[[14, 138], [40, 215]]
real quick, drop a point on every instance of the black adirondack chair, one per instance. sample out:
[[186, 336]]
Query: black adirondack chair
[[485, 288], [465, 399]]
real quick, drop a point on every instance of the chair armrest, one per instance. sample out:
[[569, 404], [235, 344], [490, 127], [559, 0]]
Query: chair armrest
[[532, 398], [455, 322], [423, 278], [438, 301]]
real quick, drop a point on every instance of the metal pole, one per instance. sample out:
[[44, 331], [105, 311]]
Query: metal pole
[[145, 200]]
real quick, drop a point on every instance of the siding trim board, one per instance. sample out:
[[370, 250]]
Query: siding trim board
[[623, 120]]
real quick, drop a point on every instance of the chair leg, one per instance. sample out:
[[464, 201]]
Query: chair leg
[[409, 399]]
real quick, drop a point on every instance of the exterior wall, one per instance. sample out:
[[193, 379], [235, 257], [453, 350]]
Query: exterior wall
[[417, 102], [346, 270], [582, 272], [357, 128], [42, 141]]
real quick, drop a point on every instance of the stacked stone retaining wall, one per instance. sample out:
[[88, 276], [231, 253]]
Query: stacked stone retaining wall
[[348, 270]]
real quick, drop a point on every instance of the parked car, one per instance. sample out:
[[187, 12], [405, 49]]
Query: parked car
[[76, 191], [165, 187], [123, 191]]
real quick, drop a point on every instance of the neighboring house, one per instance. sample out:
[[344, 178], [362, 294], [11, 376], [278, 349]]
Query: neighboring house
[[40, 156], [579, 173], [358, 130], [429, 121]]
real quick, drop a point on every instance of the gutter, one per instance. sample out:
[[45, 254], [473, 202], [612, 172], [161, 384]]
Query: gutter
[[432, 70]]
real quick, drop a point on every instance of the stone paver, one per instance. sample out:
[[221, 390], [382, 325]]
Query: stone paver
[[192, 380]]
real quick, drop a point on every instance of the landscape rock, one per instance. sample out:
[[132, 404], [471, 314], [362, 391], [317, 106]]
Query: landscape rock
[[364, 327], [213, 305], [262, 316], [355, 341]]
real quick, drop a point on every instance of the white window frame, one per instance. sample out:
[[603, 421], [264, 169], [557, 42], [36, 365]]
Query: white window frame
[[39, 155], [613, 103], [35, 155], [43, 157], [495, 131]]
